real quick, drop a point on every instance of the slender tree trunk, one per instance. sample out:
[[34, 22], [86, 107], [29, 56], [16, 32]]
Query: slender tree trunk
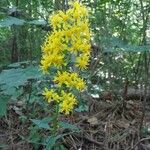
[[14, 50]]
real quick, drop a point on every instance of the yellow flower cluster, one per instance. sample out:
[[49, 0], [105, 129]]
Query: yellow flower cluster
[[70, 35], [69, 39], [66, 101], [71, 80], [51, 95]]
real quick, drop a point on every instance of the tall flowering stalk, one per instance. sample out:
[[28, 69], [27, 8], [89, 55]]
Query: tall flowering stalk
[[67, 49]]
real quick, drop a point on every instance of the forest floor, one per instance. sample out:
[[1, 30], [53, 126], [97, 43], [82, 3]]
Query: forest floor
[[107, 126]]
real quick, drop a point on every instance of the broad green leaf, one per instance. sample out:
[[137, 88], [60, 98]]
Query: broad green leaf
[[44, 123], [9, 21], [11, 79]]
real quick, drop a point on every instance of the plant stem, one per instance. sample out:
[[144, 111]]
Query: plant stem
[[55, 120]]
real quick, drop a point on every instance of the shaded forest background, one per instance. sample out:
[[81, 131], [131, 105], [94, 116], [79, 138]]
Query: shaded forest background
[[118, 75]]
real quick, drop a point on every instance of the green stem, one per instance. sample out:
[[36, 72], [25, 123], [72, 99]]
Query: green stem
[[55, 120]]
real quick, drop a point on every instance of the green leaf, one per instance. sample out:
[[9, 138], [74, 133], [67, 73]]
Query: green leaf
[[51, 141], [44, 123], [66, 125], [61, 147], [3, 104], [11, 79], [34, 136], [19, 64], [38, 22], [114, 44], [82, 108], [9, 21]]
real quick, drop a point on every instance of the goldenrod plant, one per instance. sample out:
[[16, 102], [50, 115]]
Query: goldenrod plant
[[69, 39], [67, 49]]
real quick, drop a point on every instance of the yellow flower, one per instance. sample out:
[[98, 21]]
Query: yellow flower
[[71, 80], [44, 66], [58, 60], [76, 5], [85, 48], [68, 102], [80, 85], [68, 33], [55, 20], [51, 95], [46, 62], [52, 59], [76, 15], [82, 61], [64, 16], [61, 78], [69, 13]]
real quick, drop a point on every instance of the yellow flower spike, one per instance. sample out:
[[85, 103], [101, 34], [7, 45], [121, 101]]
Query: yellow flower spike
[[70, 37]]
